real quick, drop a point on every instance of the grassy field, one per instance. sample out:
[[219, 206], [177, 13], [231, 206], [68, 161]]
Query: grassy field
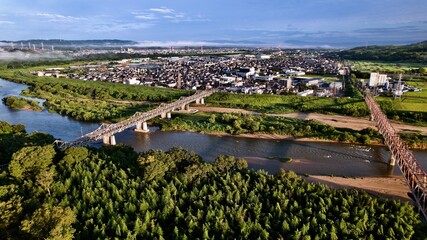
[[290, 103], [386, 67]]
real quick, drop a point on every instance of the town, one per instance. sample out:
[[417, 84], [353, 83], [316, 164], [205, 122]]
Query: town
[[255, 73]]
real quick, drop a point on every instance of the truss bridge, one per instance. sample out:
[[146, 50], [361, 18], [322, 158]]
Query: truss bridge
[[415, 176], [139, 119]]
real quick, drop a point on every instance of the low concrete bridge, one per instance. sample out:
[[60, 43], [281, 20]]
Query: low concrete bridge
[[415, 176], [139, 119]]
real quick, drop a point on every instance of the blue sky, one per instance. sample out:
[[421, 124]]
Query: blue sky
[[281, 23]]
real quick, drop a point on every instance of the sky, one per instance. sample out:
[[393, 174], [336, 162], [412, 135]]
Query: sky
[[274, 23]]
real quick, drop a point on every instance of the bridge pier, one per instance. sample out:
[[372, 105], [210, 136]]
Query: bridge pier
[[109, 140], [166, 115], [142, 127], [392, 161], [185, 107], [200, 101]]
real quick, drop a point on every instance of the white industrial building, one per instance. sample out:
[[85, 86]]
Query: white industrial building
[[377, 79], [246, 72], [305, 93]]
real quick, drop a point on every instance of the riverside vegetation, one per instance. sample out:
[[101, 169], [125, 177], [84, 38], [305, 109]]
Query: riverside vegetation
[[249, 123], [114, 192], [17, 103]]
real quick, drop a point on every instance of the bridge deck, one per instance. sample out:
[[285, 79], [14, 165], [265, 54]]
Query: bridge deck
[[415, 176]]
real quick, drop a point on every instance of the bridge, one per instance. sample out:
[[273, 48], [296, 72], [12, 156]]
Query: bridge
[[412, 171], [139, 119]]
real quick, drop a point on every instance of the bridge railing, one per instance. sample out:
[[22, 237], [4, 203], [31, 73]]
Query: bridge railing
[[415, 176]]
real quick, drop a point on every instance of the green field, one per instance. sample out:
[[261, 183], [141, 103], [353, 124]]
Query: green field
[[386, 67], [290, 103]]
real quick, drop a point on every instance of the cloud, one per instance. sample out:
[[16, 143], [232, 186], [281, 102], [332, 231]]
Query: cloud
[[30, 56], [59, 18], [392, 30], [146, 17], [2, 22], [191, 43], [156, 15], [162, 10], [118, 27]]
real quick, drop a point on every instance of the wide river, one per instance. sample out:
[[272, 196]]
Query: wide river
[[308, 157]]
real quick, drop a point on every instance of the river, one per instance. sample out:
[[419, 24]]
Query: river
[[320, 158]]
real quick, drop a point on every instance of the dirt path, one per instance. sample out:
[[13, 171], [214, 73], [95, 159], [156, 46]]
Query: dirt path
[[338, 121]]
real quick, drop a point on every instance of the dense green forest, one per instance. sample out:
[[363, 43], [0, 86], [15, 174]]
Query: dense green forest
[[21, 103], [411, 53], [114, 192]]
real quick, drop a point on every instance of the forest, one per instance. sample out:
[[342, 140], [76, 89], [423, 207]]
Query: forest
[[114, 192]]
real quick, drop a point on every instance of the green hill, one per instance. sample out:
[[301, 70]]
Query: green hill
[[408, 53]]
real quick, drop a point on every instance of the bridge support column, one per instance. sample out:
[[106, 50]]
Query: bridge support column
[[142, 127], [202, 101], [392, 161], [198, 101], [112, 140], [166, 115], [187, 107], [371, 117], [106, 140], [109, 140]]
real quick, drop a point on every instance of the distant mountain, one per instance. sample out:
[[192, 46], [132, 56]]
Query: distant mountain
[[416, 52]]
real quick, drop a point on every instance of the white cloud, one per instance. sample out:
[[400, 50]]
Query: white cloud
[[163, 10], [146, 17], [6, 22], [167, 14], [118, 27], [184, 44], [59, 18]]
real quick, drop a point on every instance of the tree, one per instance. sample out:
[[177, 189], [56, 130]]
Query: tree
[[224, 163], [241, 164], [30, 161], [75, 154], [50, 223], [45, 178], [212, 118]]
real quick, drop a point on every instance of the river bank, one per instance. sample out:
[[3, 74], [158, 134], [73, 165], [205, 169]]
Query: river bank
[[392, 187], [338, 121]]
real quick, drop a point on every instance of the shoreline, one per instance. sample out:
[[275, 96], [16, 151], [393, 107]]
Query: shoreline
[[274, 137], [390, 187], [282, 137]]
